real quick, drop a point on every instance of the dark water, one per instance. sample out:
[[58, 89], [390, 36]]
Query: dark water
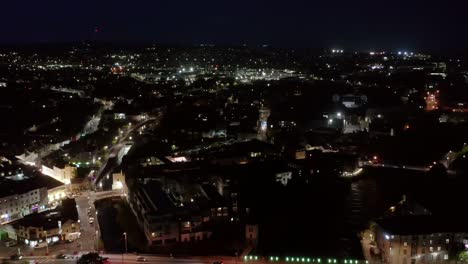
[[308, 220], [325, 221], [111, 233], [369, 198]]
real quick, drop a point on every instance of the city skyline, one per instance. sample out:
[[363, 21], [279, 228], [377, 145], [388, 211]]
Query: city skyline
[[216, 132], [361, 25]]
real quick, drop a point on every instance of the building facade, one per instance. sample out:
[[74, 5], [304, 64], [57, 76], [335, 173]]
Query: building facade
[[16, 206], [416, 241]]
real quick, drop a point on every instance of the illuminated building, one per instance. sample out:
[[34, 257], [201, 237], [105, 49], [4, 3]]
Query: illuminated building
[[417, 239], [432, 101], [262, 125]]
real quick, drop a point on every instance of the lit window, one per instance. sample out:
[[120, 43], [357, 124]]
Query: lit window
[[447, 240], [439, 248], [405, 244], [445, 256], [431, 249]]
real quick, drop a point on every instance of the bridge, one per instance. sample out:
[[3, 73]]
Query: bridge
[[404, 167], [108, 194], [119, 150]]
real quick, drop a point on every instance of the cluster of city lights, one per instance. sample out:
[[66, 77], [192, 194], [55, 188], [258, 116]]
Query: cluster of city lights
[[405, 53], [305, 260], [337, 51], [432, 102]]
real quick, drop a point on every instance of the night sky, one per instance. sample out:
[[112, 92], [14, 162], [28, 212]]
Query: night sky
[[358, 25]]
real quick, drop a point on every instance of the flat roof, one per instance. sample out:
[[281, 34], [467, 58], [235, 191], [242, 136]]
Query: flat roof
[[10, 187]]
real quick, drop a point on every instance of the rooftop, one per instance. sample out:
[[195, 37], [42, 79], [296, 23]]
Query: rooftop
[[49, 219], [423, 224], [11, 187]]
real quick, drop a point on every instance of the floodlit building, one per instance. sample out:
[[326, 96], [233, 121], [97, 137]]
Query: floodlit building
[[418, 239], [19, 198], [52, 226]]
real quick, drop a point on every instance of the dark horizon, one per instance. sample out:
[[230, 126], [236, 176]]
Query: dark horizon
[[359, 26], [120, 44]]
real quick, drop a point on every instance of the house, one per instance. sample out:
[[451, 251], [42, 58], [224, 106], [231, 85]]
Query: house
[[52, 226], [414, 239]]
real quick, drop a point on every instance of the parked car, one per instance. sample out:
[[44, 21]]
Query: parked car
[[10, 243], [141, 259]]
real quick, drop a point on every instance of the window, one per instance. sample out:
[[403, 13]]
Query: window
[[431, 249], [405, 244], [430, 242], [445, 256], [447, 240], [439, 248], [404, 251]]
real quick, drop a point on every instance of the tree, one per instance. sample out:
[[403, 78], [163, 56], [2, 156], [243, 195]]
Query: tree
[[457, 252], [463, 256]]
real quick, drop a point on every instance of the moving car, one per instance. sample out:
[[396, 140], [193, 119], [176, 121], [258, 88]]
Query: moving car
[[41, 245], [141, 259]]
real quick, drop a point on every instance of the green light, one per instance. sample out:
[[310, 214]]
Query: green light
[[334, 261], [356, 261], [245, 257], [319, 260], [303, 259], [345, 261], [329, 260], [250, 257], [287, 259], [256, 257], [271, 258], [367, 261], [308, 259], [276, 258]]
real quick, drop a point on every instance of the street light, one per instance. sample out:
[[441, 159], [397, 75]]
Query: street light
[[97, 240], [47, 244], [125, 235]]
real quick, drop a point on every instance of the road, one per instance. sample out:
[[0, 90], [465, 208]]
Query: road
[[404, 167], [112, 161], [132, 259]]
